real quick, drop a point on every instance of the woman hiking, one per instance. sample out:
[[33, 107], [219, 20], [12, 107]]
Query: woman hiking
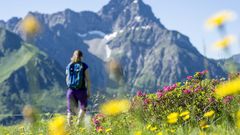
[[77, 79]]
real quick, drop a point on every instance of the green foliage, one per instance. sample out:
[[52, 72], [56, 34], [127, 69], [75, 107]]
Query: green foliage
[[149, 113]]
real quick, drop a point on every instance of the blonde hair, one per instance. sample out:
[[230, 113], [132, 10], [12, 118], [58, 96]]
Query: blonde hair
[[77, 56]]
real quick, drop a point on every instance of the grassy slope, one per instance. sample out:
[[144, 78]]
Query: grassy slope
[[16, 60]]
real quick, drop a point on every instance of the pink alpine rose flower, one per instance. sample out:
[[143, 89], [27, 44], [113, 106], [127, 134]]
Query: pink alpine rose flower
[[159, 94], [186, 91], [189, 77]]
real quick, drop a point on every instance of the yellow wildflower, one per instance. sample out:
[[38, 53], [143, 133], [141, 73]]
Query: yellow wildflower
[[115, 107], [148, 126], [30, 25], [138, 133], [172, 131], [202, 133], [153, 128], [205, 126], [172, 121], [238, 119], [159, 133], [209, 114], [172, 118], [186, 117], [228, 88], [225, 42], [220, 18], [202, 123], [82, 129], [184, 113], [108, 130], [57, 126]]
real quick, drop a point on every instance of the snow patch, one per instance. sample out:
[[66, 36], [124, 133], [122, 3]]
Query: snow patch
[[108, 51], [111, 36], [95, 32], [138, 18], [135, 1], [82, 35], [146, 27], [100, 33]]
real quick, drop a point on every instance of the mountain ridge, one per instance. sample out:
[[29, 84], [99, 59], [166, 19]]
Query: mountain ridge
[[150, 55], [26, 76]]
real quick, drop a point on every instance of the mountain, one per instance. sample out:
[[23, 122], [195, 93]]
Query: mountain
[[236, 58], [127, 31], [231, 64], [153, 55], [28, 76]]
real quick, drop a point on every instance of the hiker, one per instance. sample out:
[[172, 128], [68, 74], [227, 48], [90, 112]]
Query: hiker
[[77, 79]]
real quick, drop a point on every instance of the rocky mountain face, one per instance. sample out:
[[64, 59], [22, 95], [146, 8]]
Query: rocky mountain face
[[150, 55], [27, 76]]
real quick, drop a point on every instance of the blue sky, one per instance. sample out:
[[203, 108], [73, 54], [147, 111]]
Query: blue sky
[[185, 16]]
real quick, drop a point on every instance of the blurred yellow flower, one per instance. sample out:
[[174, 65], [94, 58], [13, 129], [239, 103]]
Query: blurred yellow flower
[[148, 126], [82, 129], [30, 25], [228, 88], [238, 119], [184, 113], [153, 128], [209, 114], [115, 107], [202, 123], [29, 113], [205, 126], [108, 130], [225, 42], [202, 133], [57, 126], [220, 19], [173, 118], [172, 131], [186, 117], [159, 133], [138, 133]]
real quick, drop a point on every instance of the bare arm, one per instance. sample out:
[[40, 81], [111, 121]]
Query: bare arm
[[88, 83]]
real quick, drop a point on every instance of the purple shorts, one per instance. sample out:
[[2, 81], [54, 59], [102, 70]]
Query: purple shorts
[[74, 98]]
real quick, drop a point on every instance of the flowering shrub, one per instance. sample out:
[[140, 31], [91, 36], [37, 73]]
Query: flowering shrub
[[195, 94], [192, 103]]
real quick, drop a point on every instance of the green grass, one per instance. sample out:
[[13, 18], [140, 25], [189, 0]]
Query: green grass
[[149, 114]]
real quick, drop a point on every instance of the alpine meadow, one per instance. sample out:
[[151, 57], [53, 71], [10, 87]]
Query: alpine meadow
[[144, 78]]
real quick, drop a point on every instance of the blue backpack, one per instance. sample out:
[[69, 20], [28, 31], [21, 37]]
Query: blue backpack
[[75, 76]]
